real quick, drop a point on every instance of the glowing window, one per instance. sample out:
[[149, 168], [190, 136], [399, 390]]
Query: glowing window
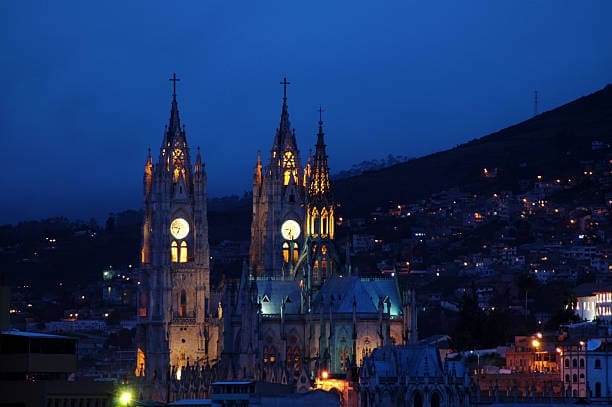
[[269, 355], [289, 168], [296, 252], [286, 252], [183, 253], [140, 363], [174, 252], [293, 358], [324, 224], [314, 221]]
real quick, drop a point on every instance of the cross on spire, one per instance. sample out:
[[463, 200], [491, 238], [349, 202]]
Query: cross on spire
[[321, 110], [285, 83], [175, 80]]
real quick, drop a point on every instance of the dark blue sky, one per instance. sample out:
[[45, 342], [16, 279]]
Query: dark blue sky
[[85, 87]]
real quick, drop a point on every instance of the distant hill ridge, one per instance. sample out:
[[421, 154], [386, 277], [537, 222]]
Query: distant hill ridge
[[550, 144], [371, 165]]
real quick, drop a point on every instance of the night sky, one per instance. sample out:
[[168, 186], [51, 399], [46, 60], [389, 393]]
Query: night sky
[[85, 87]]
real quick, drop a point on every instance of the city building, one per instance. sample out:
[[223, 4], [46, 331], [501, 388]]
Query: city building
[[594, 302], [586, 369], [39, 370]]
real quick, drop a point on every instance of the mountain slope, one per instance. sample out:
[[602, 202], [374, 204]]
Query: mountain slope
[[550, 144]]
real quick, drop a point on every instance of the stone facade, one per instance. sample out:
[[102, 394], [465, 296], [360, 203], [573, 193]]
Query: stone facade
[[175, 329], [279, 194], [412, 375], [297, 310]]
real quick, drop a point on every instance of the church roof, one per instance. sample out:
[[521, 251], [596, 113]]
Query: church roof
[[272, 293], [365, 292], [409, 360]]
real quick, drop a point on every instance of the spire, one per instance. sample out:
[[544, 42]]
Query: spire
[[174, 125], [284, 137], [148, 174], [198, 162], [320, 186], [257, 171], [320, 135]]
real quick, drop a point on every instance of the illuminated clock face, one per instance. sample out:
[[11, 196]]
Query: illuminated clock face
[[290, 229], [179, 228]]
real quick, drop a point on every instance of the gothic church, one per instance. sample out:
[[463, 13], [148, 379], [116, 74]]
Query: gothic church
[[297, 309]]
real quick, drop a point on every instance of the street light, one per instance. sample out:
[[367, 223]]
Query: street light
[[536, 343], [125, 398]]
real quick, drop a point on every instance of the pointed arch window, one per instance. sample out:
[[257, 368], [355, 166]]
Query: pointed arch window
[[293, 358], [345, 354], [174, 251], [323, 262], [183, 304], [286, 252], [324, 222], [296, 252], [314, 221], [269, 356], [140, 363], [178, 253], [289, 168], [183, 252]]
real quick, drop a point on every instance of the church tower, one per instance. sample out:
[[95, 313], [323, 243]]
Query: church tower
[[319, 260], [174, 291], [278, 204]]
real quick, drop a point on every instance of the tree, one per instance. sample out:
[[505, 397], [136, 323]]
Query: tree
[[470, 330]]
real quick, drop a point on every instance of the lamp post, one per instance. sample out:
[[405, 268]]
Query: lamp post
[[536, 344], [477, 361]]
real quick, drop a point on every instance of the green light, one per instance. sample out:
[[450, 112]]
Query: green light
[[125, 397]]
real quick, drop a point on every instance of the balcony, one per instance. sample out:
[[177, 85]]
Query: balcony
[[185, 318]]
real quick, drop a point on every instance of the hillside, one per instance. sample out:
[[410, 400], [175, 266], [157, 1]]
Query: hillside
[[550, 144]]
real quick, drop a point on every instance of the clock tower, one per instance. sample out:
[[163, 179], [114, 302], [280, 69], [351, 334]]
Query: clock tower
[[173, 305], [279, 192]]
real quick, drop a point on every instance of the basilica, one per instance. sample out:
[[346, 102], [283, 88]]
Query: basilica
[[297, 310]]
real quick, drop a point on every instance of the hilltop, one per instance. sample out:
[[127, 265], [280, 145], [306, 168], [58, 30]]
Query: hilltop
[[550, 144]]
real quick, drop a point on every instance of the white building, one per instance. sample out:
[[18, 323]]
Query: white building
[[594, 302], [586, 370]]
